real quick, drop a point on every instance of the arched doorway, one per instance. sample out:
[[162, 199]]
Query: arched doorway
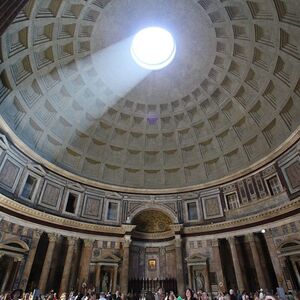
[[290, 252], [152, 252], [11, 255]]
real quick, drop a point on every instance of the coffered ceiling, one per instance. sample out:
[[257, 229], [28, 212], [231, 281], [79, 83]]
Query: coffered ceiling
[[230, 97]]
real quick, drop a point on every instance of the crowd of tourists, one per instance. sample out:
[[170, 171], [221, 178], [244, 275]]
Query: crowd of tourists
[[148, 295]]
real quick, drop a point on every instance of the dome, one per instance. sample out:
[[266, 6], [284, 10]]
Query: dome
[[71, 94], [116, 177]]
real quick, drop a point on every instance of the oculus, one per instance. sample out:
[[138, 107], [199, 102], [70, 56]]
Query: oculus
[[153, 48]]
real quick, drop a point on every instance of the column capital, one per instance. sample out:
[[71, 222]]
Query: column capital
[[71, 240], [215, 243], [231, 240], [88, 243], [128, 228], [18, 258], [53, 237], [37, 233], [268, 233], [127, 241], [250, 237], [178, 240]]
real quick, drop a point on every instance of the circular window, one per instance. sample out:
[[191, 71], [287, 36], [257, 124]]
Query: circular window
[[153, 48]]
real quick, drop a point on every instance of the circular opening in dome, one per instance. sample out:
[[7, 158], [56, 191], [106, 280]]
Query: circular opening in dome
[[153, 48]]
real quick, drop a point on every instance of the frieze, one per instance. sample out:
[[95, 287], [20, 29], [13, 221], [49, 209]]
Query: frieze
[[268, 171], [56, 220], [154, 236], [188, 196], [132, 206], [229, 188], [96, 253], [171, 206], [137, 197], [248, 220]]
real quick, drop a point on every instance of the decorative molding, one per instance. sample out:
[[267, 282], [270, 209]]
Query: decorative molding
[[37, 169], [25, 211], [248, 221]]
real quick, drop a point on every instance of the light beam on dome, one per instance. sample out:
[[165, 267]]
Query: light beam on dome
[[119, 73], [153, 48]]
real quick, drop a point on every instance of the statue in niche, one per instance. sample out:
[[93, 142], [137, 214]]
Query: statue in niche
[[199, 280], [105, 283]]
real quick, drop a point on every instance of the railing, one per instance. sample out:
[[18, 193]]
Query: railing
[[142, 285]]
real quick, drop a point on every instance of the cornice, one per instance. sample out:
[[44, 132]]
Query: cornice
[[153, 236], [290, 208], [293, 138], [21, 211]]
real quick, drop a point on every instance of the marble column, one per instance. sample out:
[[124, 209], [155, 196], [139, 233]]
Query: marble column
[[275, 260], [257, 263], [30, 258], [7, 274], [236, 264], [206, 278], [98, 272], [114, 287], [86, 255], [190, 277], [47, 262], [179, 265], [125, 265], [64, 284], [295, 268], [218, 264], [16, 267], [75, 267]]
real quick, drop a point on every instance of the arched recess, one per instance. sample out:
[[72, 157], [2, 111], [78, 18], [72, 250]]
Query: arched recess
[[13, 247], [12, 252], [152, 221], [152, 250], [289, 253], [289, 247], [160, 208]]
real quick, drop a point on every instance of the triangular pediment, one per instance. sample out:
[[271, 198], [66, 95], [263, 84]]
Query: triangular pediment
[[3, 142], [196, 258], [75, 186], [116, 196], [37, 169], [109, 258]]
